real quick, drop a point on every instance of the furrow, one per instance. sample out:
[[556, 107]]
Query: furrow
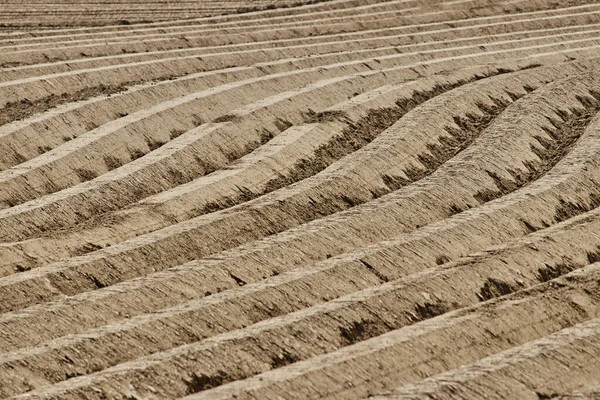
[[313, 199], [36, 251], [328, 141], [181, 158], [32, 148], [434, 244], [299, 14], [41, 86], [28, 148], [234, 18], [403, 301], [542, 368], [194, 41], [313, 17], [408, 354], [370, 211], [483, 329], [590, 392]]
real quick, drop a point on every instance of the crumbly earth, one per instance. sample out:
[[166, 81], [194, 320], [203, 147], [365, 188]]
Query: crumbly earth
[[272, 199]]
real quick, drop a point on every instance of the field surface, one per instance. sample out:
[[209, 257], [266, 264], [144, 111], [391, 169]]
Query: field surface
[[341, 199]]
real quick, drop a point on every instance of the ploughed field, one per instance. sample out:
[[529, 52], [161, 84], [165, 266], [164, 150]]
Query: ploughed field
[[338, 199]]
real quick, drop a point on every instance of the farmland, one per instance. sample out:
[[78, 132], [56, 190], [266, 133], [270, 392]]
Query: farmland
[[341, 199]]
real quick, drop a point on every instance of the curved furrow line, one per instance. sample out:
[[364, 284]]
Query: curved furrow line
[[360, 39], [267, 213], [317, 199], [357, 316], [265, 65], [59, 166], [133, 39], [266, 166], [546, 254], [272, 21], [327, 132], [515, 23], [478, 55], [229, 71], [13, 178], [408, 354], [147, 30], [354, 109], [9, 257], [92, 15], [234, 18], [291, 23], [247, 348], [341, 8], [186, 41], [28, 147], [387, 8], [190, 77], [36, 87], [544, 368], [194, 153], [26, 139], [585, 392], [575, 240]]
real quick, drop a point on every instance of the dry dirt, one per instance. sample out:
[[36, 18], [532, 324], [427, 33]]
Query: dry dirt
[[287, 199]]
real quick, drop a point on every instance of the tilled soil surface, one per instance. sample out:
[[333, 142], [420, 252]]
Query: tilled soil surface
[[300, 199]]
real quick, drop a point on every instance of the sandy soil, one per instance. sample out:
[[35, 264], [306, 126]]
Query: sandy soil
[[389, 199]]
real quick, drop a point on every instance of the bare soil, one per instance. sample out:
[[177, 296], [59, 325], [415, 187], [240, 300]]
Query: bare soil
[[318, 199]]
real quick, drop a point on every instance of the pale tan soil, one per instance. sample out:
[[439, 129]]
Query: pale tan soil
[[300, 199]]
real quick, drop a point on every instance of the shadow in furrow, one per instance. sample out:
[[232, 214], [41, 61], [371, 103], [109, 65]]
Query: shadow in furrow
[[360, 133], [562, 136]]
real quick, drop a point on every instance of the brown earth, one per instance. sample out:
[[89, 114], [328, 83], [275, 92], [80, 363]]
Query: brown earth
[[391, 199]]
